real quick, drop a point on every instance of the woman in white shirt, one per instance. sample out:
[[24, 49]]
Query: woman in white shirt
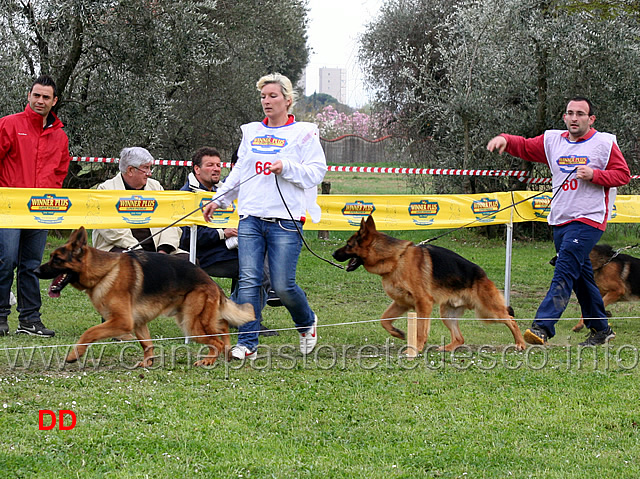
[[280, 163]]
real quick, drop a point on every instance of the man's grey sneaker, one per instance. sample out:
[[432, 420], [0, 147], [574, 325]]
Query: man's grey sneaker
[[4, 328], [35, 329], [242, 352], [124, 337], [273, 300], [309, 339], [596, 338], [536, 335], [265, 331]]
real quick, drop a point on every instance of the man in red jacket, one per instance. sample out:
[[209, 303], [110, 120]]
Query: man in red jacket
[[34, 153]]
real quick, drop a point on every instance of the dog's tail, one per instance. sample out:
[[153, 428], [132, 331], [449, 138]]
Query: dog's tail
[[236, 314]]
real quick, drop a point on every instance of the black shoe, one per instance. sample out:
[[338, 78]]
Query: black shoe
[[273, 300], [124, 337], [536, 335], [35, 329], [596, 338], [264, 331], [4, 328]]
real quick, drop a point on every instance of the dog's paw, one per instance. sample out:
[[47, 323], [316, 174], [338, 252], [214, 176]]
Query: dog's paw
[[452, 346], [145, 363], [208, 361]]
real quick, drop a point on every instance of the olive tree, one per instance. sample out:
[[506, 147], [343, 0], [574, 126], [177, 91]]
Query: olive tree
[[457, 73], [169, 76]]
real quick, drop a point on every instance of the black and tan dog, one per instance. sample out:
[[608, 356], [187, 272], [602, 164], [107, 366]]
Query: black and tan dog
[[617, 276], [130, 289], [417, 277]]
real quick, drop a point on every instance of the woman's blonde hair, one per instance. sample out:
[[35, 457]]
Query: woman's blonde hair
[[285, 86]]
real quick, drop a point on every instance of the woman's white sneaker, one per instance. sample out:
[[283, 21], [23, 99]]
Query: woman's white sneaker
[[242, 352], [309, 339]]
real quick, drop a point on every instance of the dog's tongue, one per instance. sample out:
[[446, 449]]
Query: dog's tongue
[[54, 287], [354, 263], [53, 294]]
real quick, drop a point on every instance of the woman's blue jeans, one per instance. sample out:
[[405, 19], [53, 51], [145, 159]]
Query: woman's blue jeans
[[573, 271], [281, 242], [21, 249]]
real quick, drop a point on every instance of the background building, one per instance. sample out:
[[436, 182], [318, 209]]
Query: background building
[[333, 81]]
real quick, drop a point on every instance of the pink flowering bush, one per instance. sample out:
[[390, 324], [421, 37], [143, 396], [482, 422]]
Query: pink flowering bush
[[333, 123]]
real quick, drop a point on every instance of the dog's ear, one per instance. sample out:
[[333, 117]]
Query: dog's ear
[[369, 225], [78, 238]]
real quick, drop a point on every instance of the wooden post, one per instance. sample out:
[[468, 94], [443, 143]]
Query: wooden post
[[412, 335], [325, 188]]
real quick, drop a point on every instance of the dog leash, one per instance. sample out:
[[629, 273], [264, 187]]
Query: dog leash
[[235, 187], [616, 253], [188, 214], [513, 205], [300, 232]]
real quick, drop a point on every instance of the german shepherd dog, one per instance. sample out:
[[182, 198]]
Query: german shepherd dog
[[416, 277], [130, 289], [617, 276]]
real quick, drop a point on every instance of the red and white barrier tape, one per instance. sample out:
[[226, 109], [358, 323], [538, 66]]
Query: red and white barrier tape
[[97, 159], [521, 175], [426, 171]]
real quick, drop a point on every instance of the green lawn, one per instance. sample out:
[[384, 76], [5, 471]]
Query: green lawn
[[354, 408], [343, 183]]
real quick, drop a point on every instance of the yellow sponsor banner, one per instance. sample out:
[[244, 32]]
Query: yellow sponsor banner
[[413, 212], [626, 209], [69, 209]]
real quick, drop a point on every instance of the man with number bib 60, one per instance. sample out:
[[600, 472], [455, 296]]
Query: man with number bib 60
[[586, 166]]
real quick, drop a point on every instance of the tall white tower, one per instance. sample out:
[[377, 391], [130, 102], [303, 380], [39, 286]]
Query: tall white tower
[[333, 81]]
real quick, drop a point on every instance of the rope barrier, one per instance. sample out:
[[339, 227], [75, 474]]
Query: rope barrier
[[319, 326]]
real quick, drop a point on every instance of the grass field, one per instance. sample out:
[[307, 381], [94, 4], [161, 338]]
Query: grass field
[[372, 183], [356, 407]]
